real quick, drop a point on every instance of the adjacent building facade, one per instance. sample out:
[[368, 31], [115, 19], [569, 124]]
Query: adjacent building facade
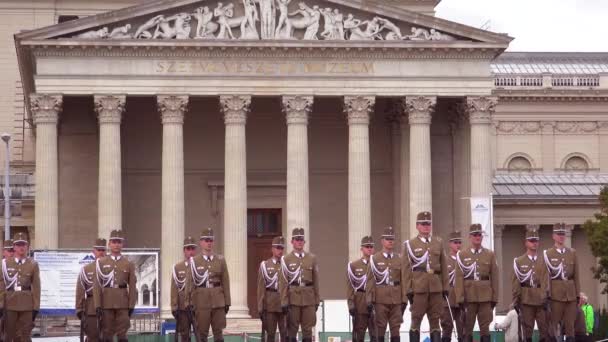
[[340, 117]]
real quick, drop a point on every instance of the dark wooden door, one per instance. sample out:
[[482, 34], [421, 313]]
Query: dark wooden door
[[262, 226]]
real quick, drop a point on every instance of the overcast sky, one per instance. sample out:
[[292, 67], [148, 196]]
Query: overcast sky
[[537, 25]]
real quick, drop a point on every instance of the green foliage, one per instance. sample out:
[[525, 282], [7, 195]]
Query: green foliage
[[597, 234]]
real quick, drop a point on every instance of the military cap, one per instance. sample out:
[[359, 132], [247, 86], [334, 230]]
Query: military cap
[[8, 244], [297, 232], [475, 228], [100, 243], [388, 233], [454, 236], [559, 228], [189, 242], [367, 241], [20, 238], [424, 216], [117, 234], [532, 234], [207, 234], [278, 241]]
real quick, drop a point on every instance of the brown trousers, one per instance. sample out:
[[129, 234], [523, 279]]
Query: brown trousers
[[429, 304], [90, 328], [388, 314], [564, 313], [18, 326], [211, 318], [304, 316], [272, 321], [447, 325], [363, 322], [484, 315], [115, 322], [533, 313], [183, 325]]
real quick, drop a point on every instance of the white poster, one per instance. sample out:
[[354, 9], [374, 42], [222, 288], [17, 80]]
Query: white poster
[[481, 212], [59, 271]]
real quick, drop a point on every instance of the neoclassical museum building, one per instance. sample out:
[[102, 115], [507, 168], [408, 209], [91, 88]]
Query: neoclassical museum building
[[257, 116]]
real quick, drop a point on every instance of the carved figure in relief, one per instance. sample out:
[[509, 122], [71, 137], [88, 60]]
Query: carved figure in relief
[[205, 26], [248, 28], [303, 22], [180, 29], [372, 30], [339, 22], [283, 19], [95, 34], [268, 13], [419, 34], [121, 32], [395, 32], [330, 31], [225, 20], [436, 35], [313, 16], [143, 31]]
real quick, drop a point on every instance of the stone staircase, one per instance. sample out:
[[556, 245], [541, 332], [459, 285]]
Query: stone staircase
[[243, 325]]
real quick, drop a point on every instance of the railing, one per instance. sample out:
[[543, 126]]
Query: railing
[[546, 81]]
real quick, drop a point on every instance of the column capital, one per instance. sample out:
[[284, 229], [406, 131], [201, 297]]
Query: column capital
[[172, 108], [297, 108], [359, 108], [46, 107], [235, 108], [481, 109], [498, 230], [109, 108], [419, 109]]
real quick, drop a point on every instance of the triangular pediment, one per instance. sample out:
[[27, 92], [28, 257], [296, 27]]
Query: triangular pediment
[[250, 20]]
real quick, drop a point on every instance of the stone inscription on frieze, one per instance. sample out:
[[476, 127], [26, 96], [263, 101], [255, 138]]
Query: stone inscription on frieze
[[262, 68]]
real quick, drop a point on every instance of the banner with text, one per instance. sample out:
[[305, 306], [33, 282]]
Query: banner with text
[[59, 272], [481, 212]]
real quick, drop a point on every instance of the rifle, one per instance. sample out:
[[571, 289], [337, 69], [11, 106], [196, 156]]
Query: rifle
[[263, 334], [520, 329], [353, 333], [176, 338], [452, 316], [99, 314], [83, 322], [192, 322], [372, 322]]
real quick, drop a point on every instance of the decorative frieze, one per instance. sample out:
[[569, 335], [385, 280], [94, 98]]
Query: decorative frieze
[[172, 108], [576, 127], [297, 108], [359, 108], [518, 127], [46, 108], [549, 127], [419, 109], [109, 108], [235, 108]]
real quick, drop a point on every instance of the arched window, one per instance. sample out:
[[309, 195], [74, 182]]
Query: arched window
[[576, 163], [519, 163], [153, 290], [146, 294]]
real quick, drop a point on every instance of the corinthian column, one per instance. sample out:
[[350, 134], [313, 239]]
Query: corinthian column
[[297, 110], [172, 110], [358, 110], [419, 110], [480, 110], [109, 197], [45, 111], [235, 109]]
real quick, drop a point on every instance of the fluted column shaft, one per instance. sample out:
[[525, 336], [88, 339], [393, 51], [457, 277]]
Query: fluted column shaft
[[297, 110], [45, 111], [480, 110], [358, 110], [235, 109], [172, 110], [109, 196], [419, 110]]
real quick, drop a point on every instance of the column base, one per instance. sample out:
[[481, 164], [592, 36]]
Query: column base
[[238, 312], [166, 314]]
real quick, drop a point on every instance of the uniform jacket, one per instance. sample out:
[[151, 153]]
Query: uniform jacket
[[564, 290], [452, 280], [213, 293], [535, 290], [121, 293], [420, 280], [178, 288], [358, 299], [84, 290], [485, 289], [301, 289], [269, 298], [24, 294], [391, 291]]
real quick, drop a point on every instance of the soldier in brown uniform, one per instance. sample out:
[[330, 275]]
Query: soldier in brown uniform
[[178, 287], [19, 292], [208, 289], [451, 311], [386, 289], [426, 277], [7, 252], [358, 308], [530, 288], [564, 285], [477, 280], [114, 290], [85, 307], [269, 298], [299, 288]]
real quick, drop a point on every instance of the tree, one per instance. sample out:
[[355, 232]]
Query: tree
[[597, 234]]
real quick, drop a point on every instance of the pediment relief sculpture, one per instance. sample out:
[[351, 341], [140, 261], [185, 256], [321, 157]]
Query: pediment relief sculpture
[[267, 19]]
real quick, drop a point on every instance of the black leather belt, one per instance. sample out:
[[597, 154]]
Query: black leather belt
[[395, 283], [359, 290], [480, 278], [19, 288], [424, 270], [211, 285], [271, 290], [536, 286], [121, 286]]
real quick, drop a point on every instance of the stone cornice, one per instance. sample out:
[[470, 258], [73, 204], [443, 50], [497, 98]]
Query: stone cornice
[[553, 95], [109, 108], [235, 108], [359, 108], [297, 108], [46, 108], [172, 108]]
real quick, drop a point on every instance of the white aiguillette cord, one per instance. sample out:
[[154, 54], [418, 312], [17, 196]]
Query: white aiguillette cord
[[383, 276], [452, 274], [269, 282], [104, 279], [198, 278], [467, 270], [522, 276], [180, 284], [290, 276], [8, 280], [84, 281], [557, 270], [414, 260], [356, 282]]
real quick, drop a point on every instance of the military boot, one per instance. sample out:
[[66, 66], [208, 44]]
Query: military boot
[[435, 336], [569, 339], [485, 338], [380, 338], [446, 339], [306, 339], [414, 336], [395, 339]]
